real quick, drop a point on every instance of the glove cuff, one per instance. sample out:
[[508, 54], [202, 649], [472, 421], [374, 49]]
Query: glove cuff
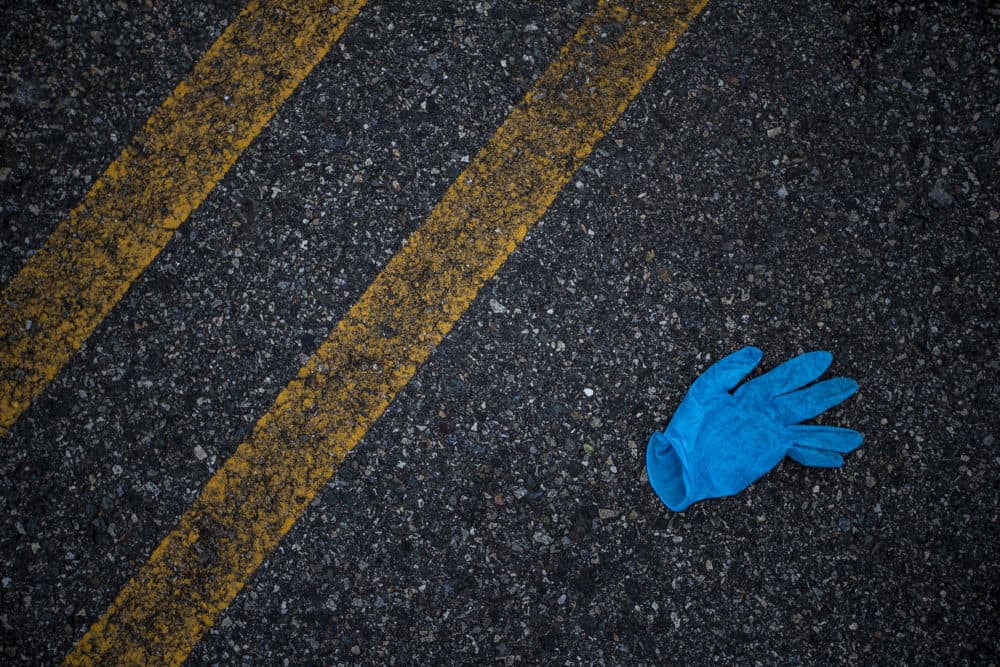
[[669, 473]]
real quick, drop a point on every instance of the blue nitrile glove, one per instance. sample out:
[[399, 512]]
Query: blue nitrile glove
[[718, 443]]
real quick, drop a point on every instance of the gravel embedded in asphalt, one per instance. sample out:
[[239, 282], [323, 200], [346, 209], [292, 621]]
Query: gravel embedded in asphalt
[[794, 177]]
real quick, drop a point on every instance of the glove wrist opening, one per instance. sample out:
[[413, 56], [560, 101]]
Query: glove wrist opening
[[668, 473]]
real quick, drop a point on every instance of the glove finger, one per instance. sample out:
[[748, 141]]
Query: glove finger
[[816, 458], [727, 372], [811, 401], [789, 376], [833, 438]]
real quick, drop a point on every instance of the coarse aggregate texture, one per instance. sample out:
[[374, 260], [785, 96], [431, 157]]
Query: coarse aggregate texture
[[88, 262], [251, 502], [795, 176]]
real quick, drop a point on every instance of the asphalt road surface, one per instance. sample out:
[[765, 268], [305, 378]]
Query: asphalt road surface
[[795, 176]]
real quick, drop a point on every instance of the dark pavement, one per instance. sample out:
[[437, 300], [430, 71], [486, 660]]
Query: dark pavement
[[795, 176]]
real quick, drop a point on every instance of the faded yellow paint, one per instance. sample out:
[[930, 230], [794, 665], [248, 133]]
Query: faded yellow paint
[[85, 267], [255, 498]]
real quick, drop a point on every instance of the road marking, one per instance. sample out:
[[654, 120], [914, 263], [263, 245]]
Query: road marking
[[256, 497], [132, 211]]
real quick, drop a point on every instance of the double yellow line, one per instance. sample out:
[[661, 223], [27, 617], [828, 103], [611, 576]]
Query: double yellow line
[[293, 450]]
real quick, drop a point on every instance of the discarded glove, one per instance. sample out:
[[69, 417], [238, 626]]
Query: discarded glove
[[718, 443]]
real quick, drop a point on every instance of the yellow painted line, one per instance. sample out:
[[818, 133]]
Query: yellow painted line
[[256, 497], [132, 211]]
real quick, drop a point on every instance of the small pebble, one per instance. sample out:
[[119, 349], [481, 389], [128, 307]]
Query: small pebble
[[940, 196]]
